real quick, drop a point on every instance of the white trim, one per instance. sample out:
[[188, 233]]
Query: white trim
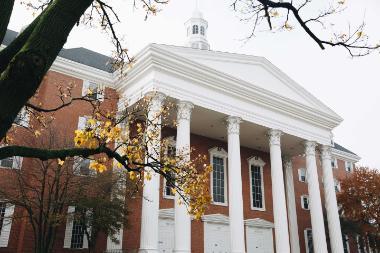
[[258, 222], [346, 242], [7, 225], [299, 175], [69, 227], [346, 163], [216, 218], [220, 153], [258, 162], [335, 160], [306, 239], [308, 201], [344, 155], [166, 213]]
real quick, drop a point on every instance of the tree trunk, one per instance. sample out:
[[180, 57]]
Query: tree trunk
[[6, 7], [23, 75]]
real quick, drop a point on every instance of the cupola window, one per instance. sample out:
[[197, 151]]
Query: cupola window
[[202, 30], [195, 29]]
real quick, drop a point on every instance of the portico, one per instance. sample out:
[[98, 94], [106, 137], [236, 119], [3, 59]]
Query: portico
[[261, 109]]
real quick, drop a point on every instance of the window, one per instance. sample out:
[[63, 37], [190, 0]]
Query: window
[[337, 185], [309, 240], [256, 166], [82, 165], [170, 152], [202, 30], [218, 158], [302, 175], [361, 244], [334, 163], [22, 118], [195, 29], [6, 212], [92, 90], [77, 235], [349, 167], [305, 202], [346, 243], [2, 214], [14, 162]]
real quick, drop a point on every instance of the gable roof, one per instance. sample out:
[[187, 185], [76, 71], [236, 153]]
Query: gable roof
[[341, 148], [78, 54], [257, 71]]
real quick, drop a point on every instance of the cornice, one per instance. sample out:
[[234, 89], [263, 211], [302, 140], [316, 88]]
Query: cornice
[[82, 71], [344, 155], [257, 222], [155, 58]]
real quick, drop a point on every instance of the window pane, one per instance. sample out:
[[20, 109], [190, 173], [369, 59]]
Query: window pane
[[77, 235], [2, 214], [310, 241], [218, 180], [257, 191], [7, 162]]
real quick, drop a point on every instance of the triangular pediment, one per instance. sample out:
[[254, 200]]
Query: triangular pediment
[[255, 71]]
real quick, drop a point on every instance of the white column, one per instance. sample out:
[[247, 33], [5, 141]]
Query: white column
[[235, 195], [317, 224], [331, 203], [182, 219], [292, 210], [150, 201], [278, 193]]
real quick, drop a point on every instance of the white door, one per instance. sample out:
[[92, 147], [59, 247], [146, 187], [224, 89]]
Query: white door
[[217, 238], [166, 235], [259, 240]]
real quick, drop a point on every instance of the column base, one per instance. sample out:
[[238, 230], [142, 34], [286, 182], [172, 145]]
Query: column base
[[148, 251], [181, 251]]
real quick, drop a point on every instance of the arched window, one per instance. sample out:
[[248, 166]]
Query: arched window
[[195, 29], [202, 30]]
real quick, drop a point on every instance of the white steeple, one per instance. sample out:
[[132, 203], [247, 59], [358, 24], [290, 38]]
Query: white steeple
[[196, 28]]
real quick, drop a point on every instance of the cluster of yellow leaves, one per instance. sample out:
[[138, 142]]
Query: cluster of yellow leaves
[[97, 166]]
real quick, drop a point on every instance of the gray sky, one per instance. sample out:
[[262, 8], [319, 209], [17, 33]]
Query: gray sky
[[349, 86]]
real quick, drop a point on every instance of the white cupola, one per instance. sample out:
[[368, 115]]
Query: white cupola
[[196, 28]]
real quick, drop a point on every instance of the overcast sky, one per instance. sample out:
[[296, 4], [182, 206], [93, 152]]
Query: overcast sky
[[351, 87]]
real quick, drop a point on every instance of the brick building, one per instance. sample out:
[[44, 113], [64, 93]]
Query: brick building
[[275, 167]]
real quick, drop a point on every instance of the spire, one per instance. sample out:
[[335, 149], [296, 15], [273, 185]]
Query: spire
[[196, 28]]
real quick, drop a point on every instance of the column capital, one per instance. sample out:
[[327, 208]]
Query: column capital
[[326, 152], [274, 137], [184, 109], [287, 162], [155, 98], [233, 124], [310, 147]]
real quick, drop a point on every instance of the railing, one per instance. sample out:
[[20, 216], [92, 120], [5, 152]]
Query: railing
[[119, 251]]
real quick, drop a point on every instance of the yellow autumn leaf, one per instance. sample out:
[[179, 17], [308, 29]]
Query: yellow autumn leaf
[[60, 162]]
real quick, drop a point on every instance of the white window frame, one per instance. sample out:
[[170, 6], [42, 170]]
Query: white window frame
[[346, 242], [16, 162], [346, 166], [335, 160], [24, 118], [220, 153], [306, 239], [299, 175], [337, 185], [256, 161], [302, 203], [100, 89], [69, 230], [169, 141], [7, 225], [358, 244]]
